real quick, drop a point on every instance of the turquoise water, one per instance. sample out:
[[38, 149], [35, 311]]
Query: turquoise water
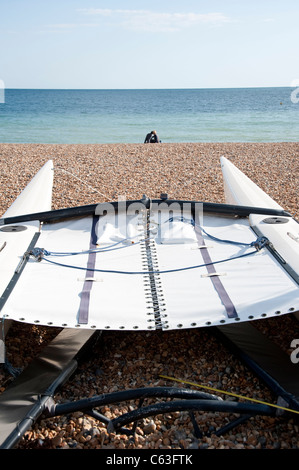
[[125, 116]]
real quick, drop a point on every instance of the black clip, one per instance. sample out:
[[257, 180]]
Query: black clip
[[260, 243]]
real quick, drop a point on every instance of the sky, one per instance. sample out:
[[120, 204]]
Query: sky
[[113, 44]]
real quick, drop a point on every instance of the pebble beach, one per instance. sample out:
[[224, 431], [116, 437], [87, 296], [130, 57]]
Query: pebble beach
[[86, 174]]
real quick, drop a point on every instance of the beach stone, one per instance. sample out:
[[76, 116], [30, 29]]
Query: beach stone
[[150, 427], [57, 441]]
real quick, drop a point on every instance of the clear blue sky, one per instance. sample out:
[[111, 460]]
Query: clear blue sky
[[157, 44]]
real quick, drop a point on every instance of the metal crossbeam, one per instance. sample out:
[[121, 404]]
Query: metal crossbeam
[[24, 400]]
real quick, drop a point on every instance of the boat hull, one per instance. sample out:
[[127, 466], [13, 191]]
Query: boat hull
[[15, 238], [282, 232]]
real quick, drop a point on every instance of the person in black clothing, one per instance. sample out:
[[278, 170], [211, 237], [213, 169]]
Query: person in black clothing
[[151, 138]]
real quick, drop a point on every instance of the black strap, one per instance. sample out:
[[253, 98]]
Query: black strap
[[85, 294], [221, 291], [18, 271]]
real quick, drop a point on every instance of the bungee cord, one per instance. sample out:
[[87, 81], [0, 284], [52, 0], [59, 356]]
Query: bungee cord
[[42, 254], [166, 271]]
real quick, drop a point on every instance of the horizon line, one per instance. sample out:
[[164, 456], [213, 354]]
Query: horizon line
[[158, 88]]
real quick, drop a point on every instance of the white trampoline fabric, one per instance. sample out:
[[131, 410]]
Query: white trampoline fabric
[[50, 294]]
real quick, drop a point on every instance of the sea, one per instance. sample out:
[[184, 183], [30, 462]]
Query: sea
[[126, 116]]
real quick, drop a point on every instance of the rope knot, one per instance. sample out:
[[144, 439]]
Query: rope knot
[[38, 253], [260, 243]]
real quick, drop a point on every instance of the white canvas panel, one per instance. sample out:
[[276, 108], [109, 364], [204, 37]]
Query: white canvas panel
[[121, 294], [119, 301], [46, 294], [257, 285], [51, 294]]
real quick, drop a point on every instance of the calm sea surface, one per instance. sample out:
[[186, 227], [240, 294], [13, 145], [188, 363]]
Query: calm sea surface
[[125, 116]]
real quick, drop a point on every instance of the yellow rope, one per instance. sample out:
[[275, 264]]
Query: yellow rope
[[228, 393]]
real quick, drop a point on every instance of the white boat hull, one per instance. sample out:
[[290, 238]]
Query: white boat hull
[[282, 232], [14, 240]]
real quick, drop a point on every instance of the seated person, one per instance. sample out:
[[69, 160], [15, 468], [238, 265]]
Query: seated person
[[151, 138]]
